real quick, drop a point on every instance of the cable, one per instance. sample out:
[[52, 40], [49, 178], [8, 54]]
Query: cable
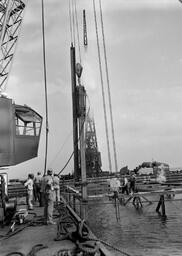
[[70, 22], [66, 163], [73, 22], [78, 36], [62, 146], [76, 143], [108, 88], [45, 85], [111, 246], [102, 86], [15, 253]]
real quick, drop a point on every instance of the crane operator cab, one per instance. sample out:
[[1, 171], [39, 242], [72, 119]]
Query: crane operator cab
[[20, 129]]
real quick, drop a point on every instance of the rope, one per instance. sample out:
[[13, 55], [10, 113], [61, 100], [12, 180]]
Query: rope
[[102, 86], [45, 85], [108, 88]]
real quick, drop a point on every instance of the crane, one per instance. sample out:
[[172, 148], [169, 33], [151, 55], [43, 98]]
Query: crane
[[20, 126], [11, 15]]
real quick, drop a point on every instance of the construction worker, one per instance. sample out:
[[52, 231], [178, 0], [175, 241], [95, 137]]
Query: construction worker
[[49, 196], [132, 183], [37, 187], [29, 185], [56, 187], [115, 185], [125, 185]]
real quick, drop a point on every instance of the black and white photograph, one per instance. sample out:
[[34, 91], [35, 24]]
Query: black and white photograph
[[91, 127]]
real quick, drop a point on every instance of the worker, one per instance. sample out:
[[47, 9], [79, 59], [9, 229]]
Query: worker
[[125, 185], [37, 187], [49, 196], [56, 187], [115, 185], [132, 183], [29, 185]]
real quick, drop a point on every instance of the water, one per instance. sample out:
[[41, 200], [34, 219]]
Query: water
[[139, 232]]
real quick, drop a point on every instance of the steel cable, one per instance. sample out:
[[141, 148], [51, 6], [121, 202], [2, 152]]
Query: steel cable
[[102, 87], [77, 30], [45, 85], [108, 88]]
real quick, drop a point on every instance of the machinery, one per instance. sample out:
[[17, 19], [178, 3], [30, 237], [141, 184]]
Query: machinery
[[20, 125], [7, 208], [20, 128]]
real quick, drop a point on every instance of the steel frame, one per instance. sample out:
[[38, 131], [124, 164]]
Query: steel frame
[[11, 12]]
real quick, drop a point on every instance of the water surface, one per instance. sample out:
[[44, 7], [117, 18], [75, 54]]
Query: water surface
[[139, 232]]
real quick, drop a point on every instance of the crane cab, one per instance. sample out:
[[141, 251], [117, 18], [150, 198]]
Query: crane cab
[[20, 128]]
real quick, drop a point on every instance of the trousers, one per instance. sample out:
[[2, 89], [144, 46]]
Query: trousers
[[29, 199], [57, 194], [48, 207]]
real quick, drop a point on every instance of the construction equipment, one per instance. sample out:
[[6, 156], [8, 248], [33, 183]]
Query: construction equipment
[[11, 12], [7, 208], [19, 132], [20, 126]]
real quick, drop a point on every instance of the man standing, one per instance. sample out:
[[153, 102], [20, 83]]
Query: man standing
[[48, 187], [132, 183], [37, 186], [125, 185], [29, 185]]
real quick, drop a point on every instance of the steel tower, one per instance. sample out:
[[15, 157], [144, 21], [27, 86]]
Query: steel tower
[[93, 156]]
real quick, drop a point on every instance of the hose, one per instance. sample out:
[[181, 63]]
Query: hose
[[36, 248], [15, 253]]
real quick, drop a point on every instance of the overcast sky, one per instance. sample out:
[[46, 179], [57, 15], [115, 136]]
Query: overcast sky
[[144, 49]]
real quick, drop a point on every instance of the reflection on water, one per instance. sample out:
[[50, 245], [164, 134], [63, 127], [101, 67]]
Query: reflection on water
[[139, 232]]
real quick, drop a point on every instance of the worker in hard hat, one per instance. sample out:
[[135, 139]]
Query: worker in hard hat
[[49, 196], [29, 185]]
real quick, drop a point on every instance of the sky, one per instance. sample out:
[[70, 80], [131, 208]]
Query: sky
[[144, 54]]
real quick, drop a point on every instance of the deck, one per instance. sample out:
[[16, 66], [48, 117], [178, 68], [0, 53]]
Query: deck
[[34, 235]]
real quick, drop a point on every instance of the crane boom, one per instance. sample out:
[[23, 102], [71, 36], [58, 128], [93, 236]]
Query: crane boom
[[11, 12]]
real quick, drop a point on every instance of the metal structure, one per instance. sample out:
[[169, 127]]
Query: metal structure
[[93, 156], [20, 128], [11, 12], [85, 39]]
